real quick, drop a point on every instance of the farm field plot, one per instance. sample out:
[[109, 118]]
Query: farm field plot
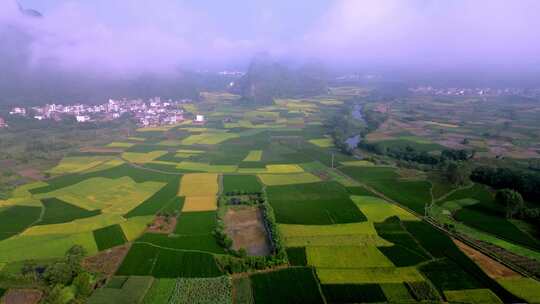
[[117, 196], [293, 285], [199, 184], [242, 291], [412, 194], [525, 288], [472, 296], [145, 259], [23, 247], [135, 226], [201, 243], [160, 292], [109, 237], [158, 200], [58, 211], [131, 291], [359, 234], [15, 219], [141, 158], [322, 142], [199, 203], [247, 183], [204, 167], [200, 190], [313, 204], [284, 168], [373, 275], [353, 293], [378, 210], [346, 257], [288, 179], [203, 291], [117, 144], [76, 226], [254, 156], [209, 138], [76, 164]]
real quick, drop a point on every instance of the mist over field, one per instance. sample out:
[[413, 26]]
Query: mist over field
[[78, 45]]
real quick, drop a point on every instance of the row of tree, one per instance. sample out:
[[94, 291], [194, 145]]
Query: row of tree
[[527, 184]]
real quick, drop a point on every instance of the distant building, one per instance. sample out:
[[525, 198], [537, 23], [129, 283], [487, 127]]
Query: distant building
[[18, 111], [3, 123], [82, 118], [199, 118], [39, 117]]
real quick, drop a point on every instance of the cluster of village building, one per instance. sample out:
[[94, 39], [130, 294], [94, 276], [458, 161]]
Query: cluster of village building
[[428, 90], [153, 112]]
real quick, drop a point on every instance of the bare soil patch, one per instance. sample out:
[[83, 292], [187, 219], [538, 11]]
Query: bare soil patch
[[163, 225], [492, 268], [22, 296], [31, 173], [245, 226], [7, 163], [108, 261]]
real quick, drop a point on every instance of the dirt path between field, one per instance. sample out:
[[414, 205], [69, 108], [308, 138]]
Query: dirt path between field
[[492, 268]]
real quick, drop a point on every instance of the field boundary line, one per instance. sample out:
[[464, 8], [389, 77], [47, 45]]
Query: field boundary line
[[175, 249]]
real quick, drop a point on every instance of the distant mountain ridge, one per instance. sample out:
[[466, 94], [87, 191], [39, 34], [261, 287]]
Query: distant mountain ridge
[[29, 12], [266, 79]]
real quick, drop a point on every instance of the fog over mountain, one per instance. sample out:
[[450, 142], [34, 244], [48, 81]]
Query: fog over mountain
[[78, 47]]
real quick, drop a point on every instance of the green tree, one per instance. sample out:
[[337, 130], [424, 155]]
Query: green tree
[[59, 273], [456, 174], [512, 201], [74, 257], [60, 294], [84, 284]]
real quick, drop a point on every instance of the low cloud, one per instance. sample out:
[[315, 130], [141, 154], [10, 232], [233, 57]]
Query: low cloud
[[164, 36]]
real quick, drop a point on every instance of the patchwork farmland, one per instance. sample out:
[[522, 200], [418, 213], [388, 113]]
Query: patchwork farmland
[[260, 206]]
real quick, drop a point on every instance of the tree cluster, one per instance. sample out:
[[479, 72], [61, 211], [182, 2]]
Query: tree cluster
[[527, 184]]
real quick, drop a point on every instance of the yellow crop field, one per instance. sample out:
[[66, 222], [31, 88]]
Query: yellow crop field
[[287, 168], [472, 296], [199, 184], [254, 156], [76, 226], [134, 138], [22, 197], [526, 288], [106, 165], [369, 275], [346, 257], [135, 226], [119, 145], [288, 179], [199, 203], [208, 138], [378, 210], [141, 158], [77, 164], [358, 234], [322, 142], [118, 195], [23, 247]]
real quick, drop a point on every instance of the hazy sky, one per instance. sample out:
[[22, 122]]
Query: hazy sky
[[129, 37]]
